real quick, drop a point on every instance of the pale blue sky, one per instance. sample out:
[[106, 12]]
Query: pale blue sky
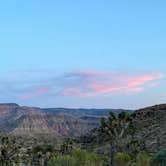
[[43, 43]]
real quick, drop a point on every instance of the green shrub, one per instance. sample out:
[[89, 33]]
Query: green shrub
[[77, 158], [143, 159], [159, 159], [62, 161], [122, 159]]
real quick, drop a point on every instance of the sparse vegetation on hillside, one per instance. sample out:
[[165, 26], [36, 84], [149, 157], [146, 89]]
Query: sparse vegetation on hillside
[[121, 132]]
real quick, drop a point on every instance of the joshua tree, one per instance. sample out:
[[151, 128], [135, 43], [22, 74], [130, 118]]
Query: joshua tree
[[8, 150], [41, 154], [115, 128], [67, 146]]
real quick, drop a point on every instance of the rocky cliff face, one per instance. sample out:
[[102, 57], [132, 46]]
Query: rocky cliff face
[[56, 122]]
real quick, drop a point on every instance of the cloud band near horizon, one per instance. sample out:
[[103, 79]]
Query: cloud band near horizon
[[90, 83]]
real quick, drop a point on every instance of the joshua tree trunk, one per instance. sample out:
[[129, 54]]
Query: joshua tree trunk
[[158, 143], [112, 155], [1, 162]]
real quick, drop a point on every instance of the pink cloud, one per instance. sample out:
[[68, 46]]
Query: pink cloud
[[89, 83], [35, 93], [73, 91], [140, 80], [126, 89], [94, 82]]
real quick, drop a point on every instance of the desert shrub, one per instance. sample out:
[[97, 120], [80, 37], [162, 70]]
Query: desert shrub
[[159, 159], [65, 160], [43, 148], [77, 158], [122, 159], [143, 159]]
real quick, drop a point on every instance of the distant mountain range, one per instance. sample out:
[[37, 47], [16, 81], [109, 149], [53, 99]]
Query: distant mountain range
[[51, 122]]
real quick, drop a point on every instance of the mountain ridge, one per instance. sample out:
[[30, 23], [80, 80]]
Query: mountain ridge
[[56, 122]]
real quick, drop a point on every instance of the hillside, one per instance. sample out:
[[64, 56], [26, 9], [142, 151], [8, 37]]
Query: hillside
[[151, 125], [150, 128]]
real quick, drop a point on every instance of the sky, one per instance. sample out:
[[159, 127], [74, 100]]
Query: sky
[[83, 54]]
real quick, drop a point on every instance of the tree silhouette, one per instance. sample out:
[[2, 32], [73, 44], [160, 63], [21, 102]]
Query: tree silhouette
[[115, 128]]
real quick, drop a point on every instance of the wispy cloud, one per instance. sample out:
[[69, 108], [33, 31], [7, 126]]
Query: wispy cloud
[[85, 83], [35, 93], [89, 83]]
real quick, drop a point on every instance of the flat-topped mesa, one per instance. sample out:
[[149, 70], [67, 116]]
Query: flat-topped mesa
[[9, 105], [7, 109]]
